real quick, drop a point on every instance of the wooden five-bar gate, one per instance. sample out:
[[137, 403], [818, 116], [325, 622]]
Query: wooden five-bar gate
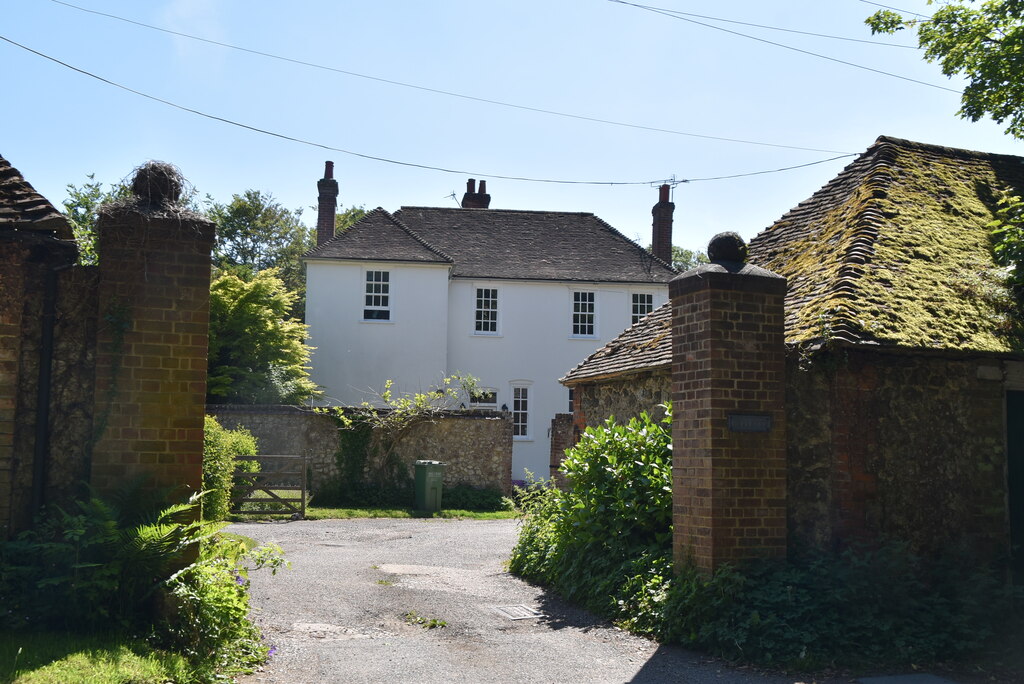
[[279, 488]]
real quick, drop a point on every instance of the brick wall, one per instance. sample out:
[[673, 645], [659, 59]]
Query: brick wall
[[151, 347], [564, 433], [729, 485]]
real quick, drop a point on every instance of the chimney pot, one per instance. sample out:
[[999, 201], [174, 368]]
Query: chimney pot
[[329, 169], [471, 186], [483, 187], [473, 199], [663, 193]]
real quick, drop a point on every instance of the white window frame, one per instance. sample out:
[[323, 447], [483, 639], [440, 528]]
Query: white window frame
[[384, 290], [496, 311], [633, 316], [576, 320], [521, 393]]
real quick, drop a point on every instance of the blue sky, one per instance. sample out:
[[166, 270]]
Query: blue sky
[[589, 58]]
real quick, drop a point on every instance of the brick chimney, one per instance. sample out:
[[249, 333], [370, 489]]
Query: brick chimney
[[473, 199], [327, 205], [661, 234]]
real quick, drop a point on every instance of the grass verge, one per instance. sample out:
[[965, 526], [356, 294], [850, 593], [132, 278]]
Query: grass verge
[[55, 657]]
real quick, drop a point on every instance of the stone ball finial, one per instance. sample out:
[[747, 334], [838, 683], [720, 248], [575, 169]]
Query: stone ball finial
[[727, 246], [158, 183]]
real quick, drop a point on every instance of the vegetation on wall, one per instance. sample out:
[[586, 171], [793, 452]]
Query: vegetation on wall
[[606, 543], [369, 473]]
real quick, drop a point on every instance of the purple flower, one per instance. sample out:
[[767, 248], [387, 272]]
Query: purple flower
[[239, 580], [271, 652]]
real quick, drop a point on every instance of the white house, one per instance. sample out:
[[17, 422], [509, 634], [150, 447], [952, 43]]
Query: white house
[[510, 297]]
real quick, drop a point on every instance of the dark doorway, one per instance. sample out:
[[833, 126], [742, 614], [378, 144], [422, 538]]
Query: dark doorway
[[1015, 479]]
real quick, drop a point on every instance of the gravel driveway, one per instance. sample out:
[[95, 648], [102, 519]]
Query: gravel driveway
[[338, 615]]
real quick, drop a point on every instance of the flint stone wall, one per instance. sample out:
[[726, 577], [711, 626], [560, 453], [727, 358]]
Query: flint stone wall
[[475, 445]]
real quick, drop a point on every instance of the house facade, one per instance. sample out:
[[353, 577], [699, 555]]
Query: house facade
[[904, 377], [509, 297]]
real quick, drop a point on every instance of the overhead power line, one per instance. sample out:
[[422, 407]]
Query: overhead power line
[[896, 9], [777, 28], [672, 14], [438, 91], [386, 160]]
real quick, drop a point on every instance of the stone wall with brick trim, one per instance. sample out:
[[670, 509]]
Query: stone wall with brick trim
[[476, 445], [12, 294], [897, 445], [729, 486], [153, 304]]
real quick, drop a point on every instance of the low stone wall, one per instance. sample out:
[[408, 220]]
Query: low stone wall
[[476, 446], [287, 431]]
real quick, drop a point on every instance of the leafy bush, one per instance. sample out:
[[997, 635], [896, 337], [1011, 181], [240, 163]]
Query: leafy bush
[[109, 567], [220, 447], [94, 566], [466, 498], [209, 617], [606, 544]]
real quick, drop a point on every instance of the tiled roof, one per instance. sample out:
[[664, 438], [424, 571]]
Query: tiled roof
[[646, 345], [379, 236], [22, 208], [896, 250], [521, 245]]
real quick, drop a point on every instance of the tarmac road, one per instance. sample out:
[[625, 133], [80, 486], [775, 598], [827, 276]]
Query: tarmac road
[[338, 615]]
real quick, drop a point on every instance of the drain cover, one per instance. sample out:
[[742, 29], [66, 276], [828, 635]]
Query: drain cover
[[519, 612]]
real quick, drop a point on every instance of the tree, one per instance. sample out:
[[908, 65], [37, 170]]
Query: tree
[[346, 217], [257, 350], [984, 42], [685, 259], [82, 208], [255, 233]]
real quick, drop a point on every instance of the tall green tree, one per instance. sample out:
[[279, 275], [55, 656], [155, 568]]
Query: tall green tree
[[82, 209], [258, 353], [982, 41], [255, 232]]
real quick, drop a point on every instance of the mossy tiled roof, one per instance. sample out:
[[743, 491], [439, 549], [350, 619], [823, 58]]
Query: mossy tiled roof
[[895, 251], [22, 208]]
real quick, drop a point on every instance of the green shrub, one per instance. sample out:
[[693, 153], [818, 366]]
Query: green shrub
[[466, 498], [209, 616], [606, 544], [220, 447], [99, 567]]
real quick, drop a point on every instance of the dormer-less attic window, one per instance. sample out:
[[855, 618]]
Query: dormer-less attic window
[[377, 305]]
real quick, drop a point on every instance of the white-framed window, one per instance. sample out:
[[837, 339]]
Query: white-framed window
[[584, 314], [377, 302], [520, 411], [484, 397], [643, 304], [485, 318]]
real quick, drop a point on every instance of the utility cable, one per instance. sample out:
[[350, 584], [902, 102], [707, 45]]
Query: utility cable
[[360, 155], [774, 28], [672, 15], [437, 91], [925, 17]]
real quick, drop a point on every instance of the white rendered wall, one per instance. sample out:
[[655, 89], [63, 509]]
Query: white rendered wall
[[534, 346], [353, 356]]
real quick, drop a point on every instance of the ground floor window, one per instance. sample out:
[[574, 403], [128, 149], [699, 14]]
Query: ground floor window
[[520, 411]]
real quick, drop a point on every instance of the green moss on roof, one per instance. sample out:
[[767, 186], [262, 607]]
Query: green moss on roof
[[896, 250]]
